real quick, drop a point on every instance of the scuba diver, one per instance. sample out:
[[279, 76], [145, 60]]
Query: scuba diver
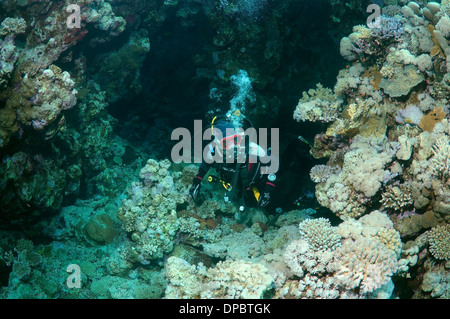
[[244, 179]]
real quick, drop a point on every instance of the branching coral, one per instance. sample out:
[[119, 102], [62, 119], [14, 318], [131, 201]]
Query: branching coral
[[38, 103], [12, 26], [375, 226], [8, 57], [364, 41], [320, 173], [366, 264], [397, 197], [319, 234], [228, 280], [430, 171], [302, 258], [361, 178], [439, 240], [318, 105], [361, 266], [441, 157], [395, 76]]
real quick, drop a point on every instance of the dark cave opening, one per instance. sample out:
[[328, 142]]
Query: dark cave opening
[[174, 96]]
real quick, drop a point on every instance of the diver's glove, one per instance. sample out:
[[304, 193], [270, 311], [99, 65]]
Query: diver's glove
[[195, 188], [264, 199]]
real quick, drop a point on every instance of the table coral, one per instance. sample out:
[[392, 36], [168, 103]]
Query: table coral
[[403, 80]]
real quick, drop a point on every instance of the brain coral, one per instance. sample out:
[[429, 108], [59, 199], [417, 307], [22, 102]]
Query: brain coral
[[403, 80], [364, 263], [439, 240]]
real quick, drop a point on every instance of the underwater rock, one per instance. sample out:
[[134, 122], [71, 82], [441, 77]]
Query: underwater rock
[[101, 229], [124, 64]]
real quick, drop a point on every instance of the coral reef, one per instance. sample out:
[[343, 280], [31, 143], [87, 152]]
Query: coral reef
[[360, 263], [360, 179], [395, 112], [85, 115], [397, 197], [149, 214]]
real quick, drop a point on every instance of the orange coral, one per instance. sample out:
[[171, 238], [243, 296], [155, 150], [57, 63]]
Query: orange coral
[[436, 50], [375, 77], [429, 120]]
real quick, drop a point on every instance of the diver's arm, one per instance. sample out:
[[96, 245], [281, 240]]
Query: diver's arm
[[256, 150], [202, 171], [196, 183]]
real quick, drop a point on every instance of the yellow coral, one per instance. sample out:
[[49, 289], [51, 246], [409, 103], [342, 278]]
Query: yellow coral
[[362, 31]]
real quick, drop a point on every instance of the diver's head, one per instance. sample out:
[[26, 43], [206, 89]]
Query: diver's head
[[228, 140]]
